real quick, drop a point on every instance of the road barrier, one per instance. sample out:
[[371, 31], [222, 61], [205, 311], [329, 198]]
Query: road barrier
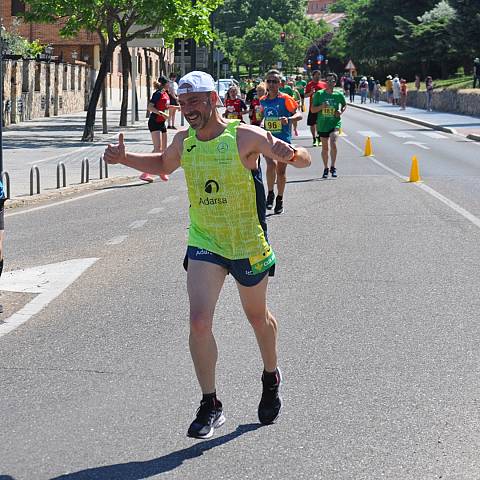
[[101, 163], [34, 170], [61, 167], [85, 177], [6, 184]]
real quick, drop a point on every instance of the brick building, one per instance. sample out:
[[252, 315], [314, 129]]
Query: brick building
[[85, 48], [318, 6]]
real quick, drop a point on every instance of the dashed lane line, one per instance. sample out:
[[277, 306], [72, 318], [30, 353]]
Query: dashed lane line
[[117, 240], [138, 224], [155, 211]]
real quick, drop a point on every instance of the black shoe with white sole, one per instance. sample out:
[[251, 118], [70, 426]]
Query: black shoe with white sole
[[333, 172], [209, 417], [325, 173]]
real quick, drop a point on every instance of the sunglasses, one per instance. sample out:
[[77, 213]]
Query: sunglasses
[[273, 81]]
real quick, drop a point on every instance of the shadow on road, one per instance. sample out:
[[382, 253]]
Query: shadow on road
[[149, 468]]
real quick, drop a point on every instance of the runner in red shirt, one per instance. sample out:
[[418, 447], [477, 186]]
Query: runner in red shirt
[[256, 109], [158, 108], [312, 86], [235, 108]]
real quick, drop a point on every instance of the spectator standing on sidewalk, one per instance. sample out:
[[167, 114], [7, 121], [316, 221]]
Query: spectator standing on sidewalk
[[377, 90], [371, 88], [389, 89], [429, 89], [363, 87], [417, 82], [158, 108], [396, 90], [476, 72], [352, 87], [172, 93], [403, 94]]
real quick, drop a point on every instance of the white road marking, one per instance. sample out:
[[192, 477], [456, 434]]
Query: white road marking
[[435, 135], [418, 144], [34, 209], [117, 240], [170, 199], [49, 281], [156, 210], [138, 224], [402, 134], [457, 208], [367, 133]]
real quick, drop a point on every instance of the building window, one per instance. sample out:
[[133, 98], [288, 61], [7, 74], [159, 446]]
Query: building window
[[140, 65], [72, 77], [119, 63], [18, 7]]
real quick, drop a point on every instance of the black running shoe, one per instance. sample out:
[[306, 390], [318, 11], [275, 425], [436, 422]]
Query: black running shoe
[[271, 402], [325, 173], [278, 205], [209, 417], [333, 172], [270, 199]]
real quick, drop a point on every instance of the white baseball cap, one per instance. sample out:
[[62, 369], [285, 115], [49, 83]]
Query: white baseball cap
[[197, 82]]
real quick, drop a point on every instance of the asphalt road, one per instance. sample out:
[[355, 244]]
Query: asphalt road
[[377, 295]]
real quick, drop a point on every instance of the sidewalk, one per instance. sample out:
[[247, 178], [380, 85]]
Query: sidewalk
[[46, 142], [447, 122]]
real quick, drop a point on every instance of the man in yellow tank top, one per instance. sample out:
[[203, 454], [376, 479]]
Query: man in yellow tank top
[[227, 232]]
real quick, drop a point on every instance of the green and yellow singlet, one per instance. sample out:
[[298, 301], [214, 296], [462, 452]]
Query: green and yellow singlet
[[226, 200]]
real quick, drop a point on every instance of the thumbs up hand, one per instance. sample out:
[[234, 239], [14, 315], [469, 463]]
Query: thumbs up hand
[[116, 153]]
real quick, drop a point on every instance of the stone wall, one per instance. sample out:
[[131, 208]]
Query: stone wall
[[34, 89], [464, 102]]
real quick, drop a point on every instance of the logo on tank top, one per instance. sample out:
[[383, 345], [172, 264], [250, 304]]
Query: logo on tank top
[[212, 187], [222, 147], [191, 148]]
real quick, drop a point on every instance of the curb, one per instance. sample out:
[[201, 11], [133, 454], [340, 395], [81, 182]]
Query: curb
[[433, 126], [66, 192]]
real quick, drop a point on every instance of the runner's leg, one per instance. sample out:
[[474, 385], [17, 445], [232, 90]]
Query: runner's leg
[[333, 148], [325, 152], [271, 173], [281, 177], [204, 283], [254, 303]]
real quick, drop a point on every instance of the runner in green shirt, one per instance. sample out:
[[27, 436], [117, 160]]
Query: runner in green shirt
[[329, 105], [284, 88], [301, 84]]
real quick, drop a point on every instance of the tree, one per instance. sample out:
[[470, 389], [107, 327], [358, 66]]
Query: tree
[[429, 40], [234, 17], [466, 26], [368, 31], [261, 44], [114, 19]]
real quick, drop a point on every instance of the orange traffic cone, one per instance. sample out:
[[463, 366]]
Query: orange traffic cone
[[414, 172], [368, 148]]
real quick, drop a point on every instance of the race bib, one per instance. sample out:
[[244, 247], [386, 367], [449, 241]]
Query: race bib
[[328, 111], [232, 115], [273, 124], [262, 262]]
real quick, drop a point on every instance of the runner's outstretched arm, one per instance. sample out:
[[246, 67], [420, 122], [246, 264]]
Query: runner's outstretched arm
[[254, 141], [155, 163]]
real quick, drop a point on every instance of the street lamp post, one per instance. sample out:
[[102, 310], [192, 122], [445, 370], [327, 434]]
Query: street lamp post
[[2, 52], [47, 56]]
